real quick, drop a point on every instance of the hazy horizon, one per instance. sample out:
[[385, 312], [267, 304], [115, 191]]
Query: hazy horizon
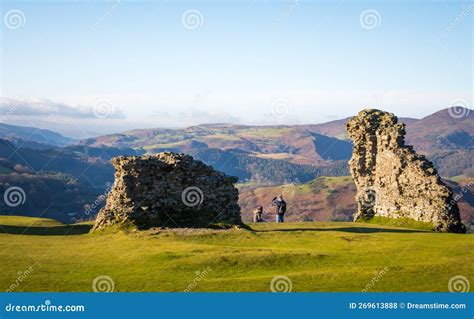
[[59, 129]]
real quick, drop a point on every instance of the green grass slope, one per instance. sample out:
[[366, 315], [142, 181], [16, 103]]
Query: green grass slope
[[314, 256], [398, 222]]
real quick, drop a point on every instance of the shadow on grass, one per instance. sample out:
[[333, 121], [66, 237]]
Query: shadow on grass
[[45, 231], [360, 230]]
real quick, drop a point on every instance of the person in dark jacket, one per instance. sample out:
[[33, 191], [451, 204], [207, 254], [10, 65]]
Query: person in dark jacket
[[280, 204]]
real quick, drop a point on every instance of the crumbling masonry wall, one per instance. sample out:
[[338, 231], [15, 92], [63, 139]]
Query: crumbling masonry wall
[[392, 180], [170, 190]]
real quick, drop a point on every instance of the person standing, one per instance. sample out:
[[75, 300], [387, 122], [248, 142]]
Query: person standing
[[257, 214], [280, 204]]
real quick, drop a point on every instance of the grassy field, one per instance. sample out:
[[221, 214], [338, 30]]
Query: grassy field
[[49, 256]]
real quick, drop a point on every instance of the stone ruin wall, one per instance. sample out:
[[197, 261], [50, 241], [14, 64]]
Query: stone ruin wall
[[392, 180], [169, 190]]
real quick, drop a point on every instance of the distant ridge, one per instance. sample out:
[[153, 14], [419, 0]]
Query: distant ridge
[[33, 134]]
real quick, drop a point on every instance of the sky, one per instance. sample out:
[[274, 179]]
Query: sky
[[88, 67]]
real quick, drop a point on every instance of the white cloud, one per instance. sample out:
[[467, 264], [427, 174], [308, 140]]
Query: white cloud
[[43, 108]]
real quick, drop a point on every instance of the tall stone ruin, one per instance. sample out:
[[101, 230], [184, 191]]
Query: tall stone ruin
[[392, 180], [171, 190]]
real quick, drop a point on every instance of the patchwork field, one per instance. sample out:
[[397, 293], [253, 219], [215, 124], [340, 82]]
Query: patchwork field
[[45, 255]]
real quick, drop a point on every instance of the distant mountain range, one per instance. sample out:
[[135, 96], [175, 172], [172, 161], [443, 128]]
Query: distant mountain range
[[261, 156], [443, 137], [294, 144]]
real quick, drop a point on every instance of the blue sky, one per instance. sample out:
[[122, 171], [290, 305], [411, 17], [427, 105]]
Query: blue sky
[[254, 62]]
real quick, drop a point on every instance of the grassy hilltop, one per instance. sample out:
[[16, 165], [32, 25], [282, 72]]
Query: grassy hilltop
[[315, 256]]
